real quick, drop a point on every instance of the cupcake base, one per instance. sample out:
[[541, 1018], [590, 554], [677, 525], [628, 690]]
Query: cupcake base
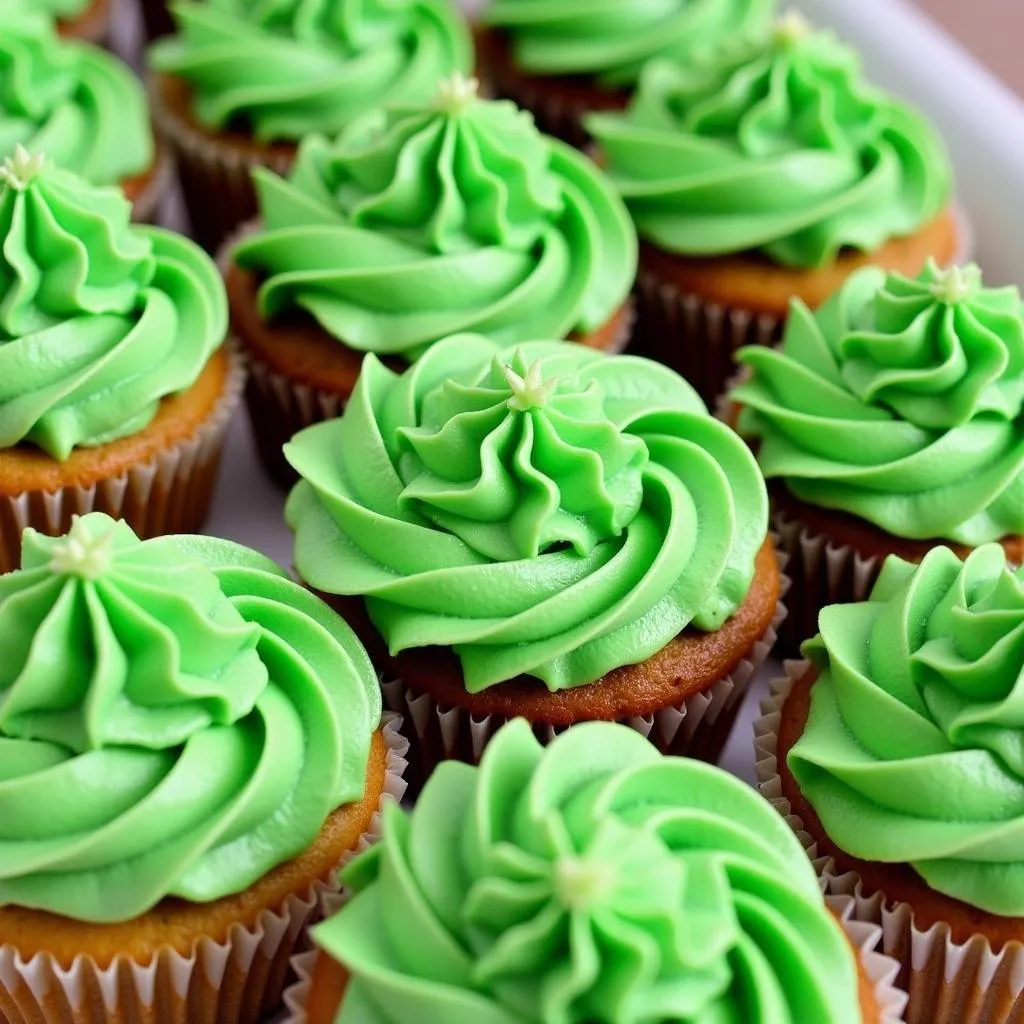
[[300, 375], [159, 480], [693, 314], [214, 168], [91, 26], [146, 191], [558, 102], [684, 699], [317, 994], [224, 962], [957, 963]]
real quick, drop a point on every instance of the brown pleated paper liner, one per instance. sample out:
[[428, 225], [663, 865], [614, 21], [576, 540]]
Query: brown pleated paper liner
[[948, 982], [236, 981]]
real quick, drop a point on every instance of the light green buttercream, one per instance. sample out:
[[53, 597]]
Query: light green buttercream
[[545, 509], [914, 748], [455, 215], [594, 882], [99, 319], [778, 146], [900, 401], [176, 718], [285, 69]]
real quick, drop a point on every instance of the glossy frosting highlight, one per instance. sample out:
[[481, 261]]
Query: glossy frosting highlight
[[591, 882], [613, 39], [78, 103], [544, 509], [778, 146], [900, 401], [177, 717], [99, 319], [456, 215], [913, 748], [283, 70]]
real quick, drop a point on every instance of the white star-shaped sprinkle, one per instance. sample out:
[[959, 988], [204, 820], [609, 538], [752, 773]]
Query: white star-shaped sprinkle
[[80, 555], [957, 284], [456, 93], [18, 170], [791, 28], [531, 391]]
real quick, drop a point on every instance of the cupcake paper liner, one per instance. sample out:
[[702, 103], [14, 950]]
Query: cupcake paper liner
[[947, 982], [93, 25], [215, 177], [169, 494], [864, 937], [698, 338], [156, 19], [698, 727], [237, 981]]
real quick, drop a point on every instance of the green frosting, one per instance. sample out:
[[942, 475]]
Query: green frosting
[[291, 67], [592, 882], [914, 751], [778, 146], [176, 718], [613, 39], [77, 103], [99, 319], [545, 510], [900, 401], [422, 222]]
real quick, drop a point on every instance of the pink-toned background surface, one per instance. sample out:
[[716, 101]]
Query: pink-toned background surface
[[992, 29]]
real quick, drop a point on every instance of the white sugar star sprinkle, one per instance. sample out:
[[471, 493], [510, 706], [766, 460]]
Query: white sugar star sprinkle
[[531, 391], [456, 93], [80, 555], [957, 284], [791, 28], [579, 883], [18, 170]]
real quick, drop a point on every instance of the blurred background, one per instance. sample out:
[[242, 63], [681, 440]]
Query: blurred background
[[992, 29]]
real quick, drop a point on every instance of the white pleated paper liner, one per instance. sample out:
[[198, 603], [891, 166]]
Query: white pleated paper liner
[[698, 338], [864, 938], [215, 175], [171, 493], [697, 727], [237, 981], [947, 982]]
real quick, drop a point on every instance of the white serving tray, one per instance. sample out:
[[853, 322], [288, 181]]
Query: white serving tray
[[983, 123]]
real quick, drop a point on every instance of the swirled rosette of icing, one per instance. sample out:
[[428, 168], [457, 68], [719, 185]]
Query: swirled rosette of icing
[[900, 401], [544, 510], [76, 102], [284, 70], [613, 39], [777, 145], [454, 216], [99, 319], [913, 751], [177, 717], [591, 882]]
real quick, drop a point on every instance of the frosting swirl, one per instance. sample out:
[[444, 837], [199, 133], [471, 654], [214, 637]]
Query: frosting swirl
[[912, 751], [589, 882], [176, 718], [99, 319], [286, 69], [545, 510], [613, 40], [778, 146], [900, 401], [422, 222], [77, 103]]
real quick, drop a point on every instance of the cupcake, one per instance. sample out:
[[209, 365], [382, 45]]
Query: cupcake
[[115, 390], [76, 19], [561, 60], [896, 752], [768, 170], [596, 881], [191, 746], [420, 222], [241, 84], [889, 422], [81, 105], [545, 532]]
